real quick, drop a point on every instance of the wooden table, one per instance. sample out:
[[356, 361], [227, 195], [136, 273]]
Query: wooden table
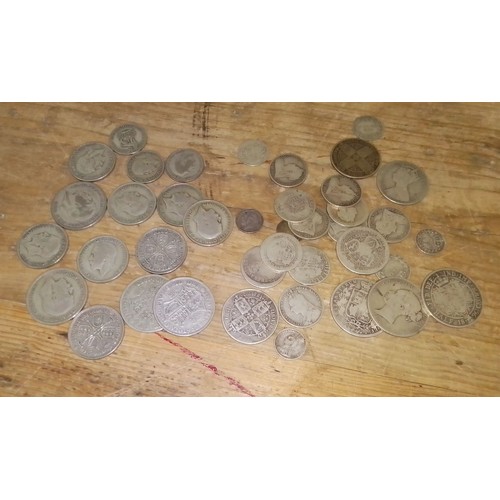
[[458, 146]]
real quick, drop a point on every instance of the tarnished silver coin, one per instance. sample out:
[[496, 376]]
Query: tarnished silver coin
[[283, 227], [128, 139], [402, 182], [355, 158], [351, 216], [301, 306], [313, 268], [78, 206], [341, 191], [313, 227], [249, 220], [184, 165], [131, 203], [281, 252], [363, 250], [250, 316], [92, 162], [208, 223], [430, 241], [390, 222], [174, 201], [451, 298], [335, 230], [290, 343], [256, 272], [161, 250], [136, 303], [56, 296], [96, 332], [368, 128], [395, 306], [102, 259], [396, 267], [145, 167], [42, 245], [294, 205], [184, 306], [252, 152], [288, 170], [349, 308]]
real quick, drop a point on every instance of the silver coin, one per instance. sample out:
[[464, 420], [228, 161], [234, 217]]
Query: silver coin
[[256, 272], [396, 267], [288, 170], [174, 201], [340, 190], [395, 306], [313, 227], [56, 296], [351, 216], [294, 205], [368, 128], [184, 306], [161, 250], [42, 245], [136, 303], [363, 250], [78, 206], [313, 268], [102, 259], [281, 252], [301, 306], [402, 182], [349, 308], [290, 343], [335, 230], [252, 152], [283, 227], [451, 298], [92, 162], [430, 241], [250, 316], [249, 220], [390, 222], [145, 167], [184, 165], [96, 332], [128, 139], [208, 223], [131, 203]]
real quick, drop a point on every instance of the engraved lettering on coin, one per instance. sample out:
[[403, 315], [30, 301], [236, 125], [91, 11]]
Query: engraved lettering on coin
[[294, 205], [349, 216], [92, 162], [313, 227], [390, 222], [290, 343], [397, 267], [256, 272], [128, 139], [313, 268], [252, 152], [355, 158], [430, 241], [281, 252], [208, 223], [131, 203], [185, 165], [174, 201], [368, 128], [341, 191], [288, 170], [145, 167], [300, 306], [249, 220]]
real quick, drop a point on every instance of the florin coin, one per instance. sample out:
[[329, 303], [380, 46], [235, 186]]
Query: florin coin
[[430, 241], [184, 165], [145, 167], [281, 252], [256, 272], [368, 128], [174, 201], [355, 158], [301, 306], [397, 267], [92, 162], [252, 152], [294, 205], [288, 170], [128, 139], [390, 222], [352, 216], [335, 230], [283, 227], [131, 203], [290, 343], [313, 268], [249, 220], [341, 191], [313, 227]]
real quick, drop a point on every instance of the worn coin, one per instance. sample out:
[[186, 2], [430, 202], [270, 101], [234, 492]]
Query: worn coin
[[252, 152], [313, 268], [351, 216], [368, 128], [390, 222], [430, 241], [290, 343], [355, 158], [294, 205], [131, 203], [256, 272], [313, 227], [92, 162], [396, 267], [249, 220], [145, 167], [184, 165], [174, 201], [288, 170], [128, 139], [281, 252], [340, 190], [283, 227], [335, 230], [301, 306]]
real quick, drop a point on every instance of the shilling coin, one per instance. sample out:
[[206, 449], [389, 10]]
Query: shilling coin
[[290, 343], [79, 205], [281, 252], [341, 191], [184, 306], [184, 165], [313, 227], [174, 201], [250, 316], [335, 230], [145, 167], [301, 306], [349, 307], [390, 222], [294, 205], [395, 306], [355, 158], [252, 152], [313, 268], [430, 241], [102, 259], [131, 203], [452, 298], [128, 139], [288, 170], [249, 220], [42, 245], [92, 162], [368, 128], [96, 332], [256, 272], [352, 216], [56, 296], [161, 250], [283, 227], [397, 267]]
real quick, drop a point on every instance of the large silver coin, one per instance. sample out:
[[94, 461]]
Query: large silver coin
[[281, 252], [184, 165], [397, 267], [313, 268], [290, 343], [56, 296], [208, 223], [96, 332], [102, 259], [395, 306], [131, 204], [351, 216], [136, 303], [349, 308], [452, 298], [288, 170], [128, 139], [355, 158], [145, 167], [430, 241], [78, 206], [184, 306], [161, 250], [313, 227], [250, 316], [294, 205], [42, 245], [301, 306], [252, 152], [174, 201], [368, 128], [390, 222], [340, 190], [256, 272], [363, 250], [92, 162]]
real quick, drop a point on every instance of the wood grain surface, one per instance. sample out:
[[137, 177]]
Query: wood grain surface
[[458, 146]]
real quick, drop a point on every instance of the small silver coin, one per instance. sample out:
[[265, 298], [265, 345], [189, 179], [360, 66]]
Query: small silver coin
[[96, 332], [390, 222], [355, 158], [102, 259], [42, 245], [396, 267], [92, 162], [145, 167], [350, 216], [131, 204], [335, 230], [451, 298], [252, 152], [78, 206], [288, 170], [301, 306], [312, 228], [290, 343], [341, 191], [174, 201], [56, 296], [283, 227], [281, 252], [128, 139], [250, 316], [430, 241], [184, 306], [161, 250], [313, 268], [249, 220], [294, 205], [184, 165], [368, 128], [256, 272]]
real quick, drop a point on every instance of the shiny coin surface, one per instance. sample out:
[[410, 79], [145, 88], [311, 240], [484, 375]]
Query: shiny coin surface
[[355, 158], [174, 201], [256, 272], [42, 245], [250, 316], [341, 191], [349, 308], [430, 241], [56, 296], [395, 306], [313, 227], [313, 268], [96, 332], [402, 182], [184, 306], [301, 306], [452, 298], [281, 252], [397, 267], [294, 205], [252, 152], [145, 167], [184, 165], [92, 162], [131, 203], [249, 220], [79, 206], [290, 343], [368, 128], [288, 170], [283, 227], [102, 259], [390, 222], [352, 216], [335, 230], [128, 139]]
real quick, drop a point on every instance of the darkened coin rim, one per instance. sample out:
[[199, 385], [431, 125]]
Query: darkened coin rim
[[242, 213]]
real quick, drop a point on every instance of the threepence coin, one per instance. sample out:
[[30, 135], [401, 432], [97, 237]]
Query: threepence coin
[[256, 272], [350, 216], [301, 306], [281, 252], [184, 165], [355, 158], [430, 241], [341, 191], [145, 167], [397, 267], [368, 128], [131, 204], [288, 170], [252, 152], [290, 343], [249, 220], [294, 205], [174, 201], [313, 268], [312, 228], [390, 222], [92, 162], [128, 139]]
